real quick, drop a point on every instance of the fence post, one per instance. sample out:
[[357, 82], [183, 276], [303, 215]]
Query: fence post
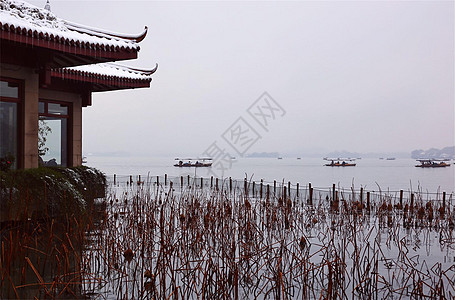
[[284, 193], [297, 190], [131, 179], [189, 180], [260, 190], [181, 181], [230, 184], [217, 183], [368, 201], [268, 192], [165, 179], [361, 195], [115, 179], [253, 188], [412, 202], [211, 182], [401, 198], [444, 200], [245, 186], [333, 192], [310, 191], [274, 187], [289, 189]]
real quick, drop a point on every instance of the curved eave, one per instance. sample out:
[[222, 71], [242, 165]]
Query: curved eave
[[62, 44], [101, 33], [101, 82]]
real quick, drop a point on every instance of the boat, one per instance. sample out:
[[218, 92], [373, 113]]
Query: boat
[[340, 162], [280, 158], [202, 162], [390, 158], [432, 163]]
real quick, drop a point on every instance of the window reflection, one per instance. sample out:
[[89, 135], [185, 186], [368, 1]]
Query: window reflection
[[52, 141], [53, 133], [8, 131], [57, 109], [9, 89]]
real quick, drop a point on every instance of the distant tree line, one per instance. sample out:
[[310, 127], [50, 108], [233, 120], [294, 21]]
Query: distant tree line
[[445, 153]]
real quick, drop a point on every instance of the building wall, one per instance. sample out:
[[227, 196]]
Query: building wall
[[29, 117], [29, 138], [76, 120]]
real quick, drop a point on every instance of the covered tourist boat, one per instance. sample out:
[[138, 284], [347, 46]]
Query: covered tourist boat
[[432, 163], [340, 162], [203, 162]]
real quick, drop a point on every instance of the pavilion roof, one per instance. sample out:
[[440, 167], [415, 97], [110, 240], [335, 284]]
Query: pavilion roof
[[24, 23], [105, 76]]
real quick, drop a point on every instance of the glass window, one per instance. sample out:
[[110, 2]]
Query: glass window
[[52, 141], [53, 133], [8, 131], [9, 89], [41, 107], [57, 109]]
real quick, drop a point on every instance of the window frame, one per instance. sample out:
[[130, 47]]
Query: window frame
[[20, 117], [69, 117]]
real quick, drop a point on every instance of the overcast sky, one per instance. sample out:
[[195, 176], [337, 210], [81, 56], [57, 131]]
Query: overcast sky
[[363, 76]]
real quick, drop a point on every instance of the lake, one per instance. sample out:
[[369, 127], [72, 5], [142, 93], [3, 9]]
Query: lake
[[369, 173]]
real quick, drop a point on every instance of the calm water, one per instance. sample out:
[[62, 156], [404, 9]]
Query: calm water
[[369, 173]]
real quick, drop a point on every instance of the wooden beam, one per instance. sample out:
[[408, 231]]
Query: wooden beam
[[86, 98]]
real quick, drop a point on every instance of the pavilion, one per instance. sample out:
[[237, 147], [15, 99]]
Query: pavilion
[[49, 69]]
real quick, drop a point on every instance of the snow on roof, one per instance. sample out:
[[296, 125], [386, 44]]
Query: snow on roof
[[22, 17], [111, 70]]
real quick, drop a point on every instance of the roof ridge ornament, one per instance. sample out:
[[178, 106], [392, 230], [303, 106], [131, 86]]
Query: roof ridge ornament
[[47, 6]]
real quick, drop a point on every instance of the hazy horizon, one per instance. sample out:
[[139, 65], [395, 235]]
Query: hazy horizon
[[363, 76]]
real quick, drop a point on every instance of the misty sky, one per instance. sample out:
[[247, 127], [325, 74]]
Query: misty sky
[[360, 76]]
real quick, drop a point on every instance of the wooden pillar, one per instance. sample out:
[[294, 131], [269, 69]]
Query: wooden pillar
[[401, 198], [165, 179], [115, 179], [333, 192]]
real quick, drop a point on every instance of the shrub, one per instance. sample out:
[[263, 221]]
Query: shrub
[[6, 163], [47, 191]]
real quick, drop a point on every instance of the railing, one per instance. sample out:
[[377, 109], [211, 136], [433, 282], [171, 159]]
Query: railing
[[279, 189]]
